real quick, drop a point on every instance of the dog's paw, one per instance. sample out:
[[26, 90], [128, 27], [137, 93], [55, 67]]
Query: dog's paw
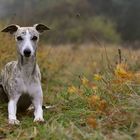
[[39, 120], [14, 121]]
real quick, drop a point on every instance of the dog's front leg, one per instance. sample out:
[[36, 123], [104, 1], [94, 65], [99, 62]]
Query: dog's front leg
[[12, 109], [37, 102]]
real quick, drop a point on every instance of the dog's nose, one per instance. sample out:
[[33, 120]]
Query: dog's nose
[[27, 52]]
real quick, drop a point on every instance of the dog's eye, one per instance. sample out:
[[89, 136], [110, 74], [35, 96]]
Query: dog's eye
[[19, 38], [34, 38]]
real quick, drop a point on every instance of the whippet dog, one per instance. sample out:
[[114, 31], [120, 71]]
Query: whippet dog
[[21, 79]]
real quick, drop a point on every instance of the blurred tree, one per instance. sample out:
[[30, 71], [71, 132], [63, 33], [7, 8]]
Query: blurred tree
[[129, 20], [66, 16]]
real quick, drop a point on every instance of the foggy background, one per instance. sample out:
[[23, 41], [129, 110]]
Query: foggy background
[[77, 21]]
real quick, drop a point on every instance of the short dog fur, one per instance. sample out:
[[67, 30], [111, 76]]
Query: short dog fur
[[21, 79]]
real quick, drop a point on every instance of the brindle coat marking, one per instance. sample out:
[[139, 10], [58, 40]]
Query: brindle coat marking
[[21, 79]]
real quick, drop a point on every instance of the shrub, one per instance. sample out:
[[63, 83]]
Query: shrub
[[83, 30], [103, 29]]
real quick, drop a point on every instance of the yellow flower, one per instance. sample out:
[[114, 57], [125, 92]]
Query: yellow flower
[[94, 100], [121, 72], [72, 89], [97, 77], [84, 81]]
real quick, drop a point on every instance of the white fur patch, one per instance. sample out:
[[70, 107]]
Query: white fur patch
[[27, 43]]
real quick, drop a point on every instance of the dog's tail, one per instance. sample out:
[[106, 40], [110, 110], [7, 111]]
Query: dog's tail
[[3, 95]]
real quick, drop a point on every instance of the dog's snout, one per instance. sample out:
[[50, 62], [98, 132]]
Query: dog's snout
[[27, 52]]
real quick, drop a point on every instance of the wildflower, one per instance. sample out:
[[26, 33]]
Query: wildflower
[[84, 81], [92, 122], [72, 89], [97, 77], [102, 105], [94, 100], [121, 72]]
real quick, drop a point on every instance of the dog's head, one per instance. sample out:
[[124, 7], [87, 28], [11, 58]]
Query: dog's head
[[26, 37]]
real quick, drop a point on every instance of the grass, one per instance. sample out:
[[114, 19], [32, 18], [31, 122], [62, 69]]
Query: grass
[[95, 93]]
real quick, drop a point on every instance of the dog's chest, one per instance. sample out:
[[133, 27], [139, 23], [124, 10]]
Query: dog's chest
[[28, 83]]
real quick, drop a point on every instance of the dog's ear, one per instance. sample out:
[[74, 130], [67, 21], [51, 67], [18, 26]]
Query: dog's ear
[[41, 27], [10, 29]]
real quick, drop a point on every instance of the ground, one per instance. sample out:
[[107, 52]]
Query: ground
[[94, 91]]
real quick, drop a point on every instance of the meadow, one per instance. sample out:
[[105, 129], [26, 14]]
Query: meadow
[[93, 90]]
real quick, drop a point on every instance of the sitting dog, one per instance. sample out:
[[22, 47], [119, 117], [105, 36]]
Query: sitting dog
[[21, 79]]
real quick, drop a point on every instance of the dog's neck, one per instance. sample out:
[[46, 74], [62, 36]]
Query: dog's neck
[[27, 64]]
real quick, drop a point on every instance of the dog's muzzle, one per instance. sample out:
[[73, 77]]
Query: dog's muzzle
[[27, 52]]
